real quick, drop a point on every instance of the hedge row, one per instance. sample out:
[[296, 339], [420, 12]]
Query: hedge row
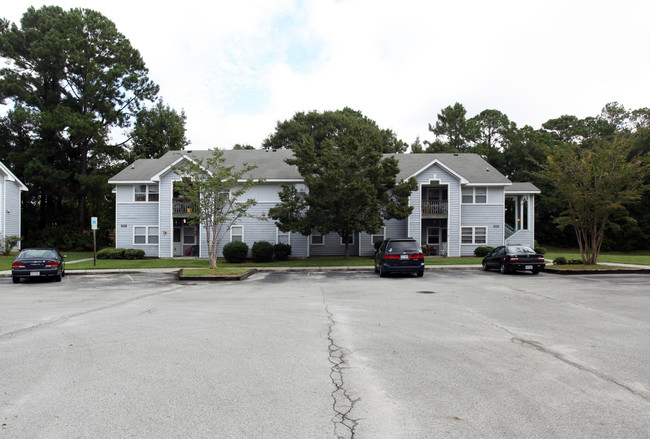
[[262, 251], [120, 253]]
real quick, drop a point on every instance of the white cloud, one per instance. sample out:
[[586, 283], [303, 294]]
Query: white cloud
[[239, 67]]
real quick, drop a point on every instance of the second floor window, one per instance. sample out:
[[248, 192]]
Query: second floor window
[[474, 195], [145, 192]]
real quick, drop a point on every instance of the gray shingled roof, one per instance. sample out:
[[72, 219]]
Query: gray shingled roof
[[271, 165], [526, 188]]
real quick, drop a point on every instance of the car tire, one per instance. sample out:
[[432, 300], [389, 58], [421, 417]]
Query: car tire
[[382, 273], [420, 273], [63, 273], [503, 269], [57, 278], [485, 266], [15, 279], [536, 271]]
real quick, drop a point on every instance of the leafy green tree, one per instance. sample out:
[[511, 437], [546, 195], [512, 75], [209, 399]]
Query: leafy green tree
[[242, 147], [352, 188], [76, 78], [157, 131], [454, 132], [320, 127], [596, 183], [215, 191]]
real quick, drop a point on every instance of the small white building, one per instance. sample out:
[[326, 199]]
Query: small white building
[[10, 191]]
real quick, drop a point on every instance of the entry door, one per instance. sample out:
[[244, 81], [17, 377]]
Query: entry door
[[178, 245]]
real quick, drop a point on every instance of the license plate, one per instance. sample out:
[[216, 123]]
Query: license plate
[[529, 267], [403, 256], [34, 273]]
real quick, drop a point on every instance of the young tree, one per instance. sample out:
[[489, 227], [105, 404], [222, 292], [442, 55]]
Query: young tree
[[454, 132], [215, 192], [351, 187], [596, 183]]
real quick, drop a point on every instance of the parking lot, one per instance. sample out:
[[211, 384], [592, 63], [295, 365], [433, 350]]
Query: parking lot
[[454, 354]]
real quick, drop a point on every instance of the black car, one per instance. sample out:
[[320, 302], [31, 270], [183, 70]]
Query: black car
[[34, 263], [399, 256], [514, 258]]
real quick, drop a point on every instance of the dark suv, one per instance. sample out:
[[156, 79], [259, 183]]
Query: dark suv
[[399, 256]]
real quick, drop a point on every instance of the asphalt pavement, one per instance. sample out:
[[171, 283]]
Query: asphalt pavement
[[455, 354]]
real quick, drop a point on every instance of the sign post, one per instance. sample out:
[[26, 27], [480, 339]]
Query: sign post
[[93, 226]]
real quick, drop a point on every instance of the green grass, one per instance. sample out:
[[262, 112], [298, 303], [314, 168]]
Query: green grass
[[639, 257], [585, 267], [206, 272]]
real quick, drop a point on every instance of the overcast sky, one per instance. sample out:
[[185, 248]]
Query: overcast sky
[[237, 67]]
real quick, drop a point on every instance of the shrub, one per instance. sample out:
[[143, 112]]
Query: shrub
[[133, 253], [281, 251], [574, 262], [561, 260], [111, 253], [235, 252], [9, 243], [539, 249], [483, 251], [262, 251]]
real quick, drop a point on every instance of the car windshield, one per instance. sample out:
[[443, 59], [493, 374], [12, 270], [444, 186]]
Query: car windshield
[[402, 246], [518, 249], [37, 254]]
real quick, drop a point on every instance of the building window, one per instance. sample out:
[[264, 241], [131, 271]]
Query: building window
[[144, 192], [145, 235], [189, 235], [474, 195], [282, 237], [236, 233], [350, 240], [379, 236], [316, 238], [474, 235]]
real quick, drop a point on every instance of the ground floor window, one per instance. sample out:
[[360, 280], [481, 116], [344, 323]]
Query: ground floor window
[[236, 233], [379, 236], [350, 240], [316, 238], [145, 235], [283, 237], [474, 235]]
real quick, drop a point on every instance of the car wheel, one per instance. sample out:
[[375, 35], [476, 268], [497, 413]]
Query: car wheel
[[63, 273], [503, 269], [57, 278], [16, 279], [420, 273], [485, 266], [536, 271], [382, 273]]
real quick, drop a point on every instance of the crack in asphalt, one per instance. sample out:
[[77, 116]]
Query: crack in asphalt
[[527, 342], [342, 402], [64, 318]]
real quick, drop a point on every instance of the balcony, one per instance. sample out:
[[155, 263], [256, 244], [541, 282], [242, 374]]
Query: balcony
[[182, 208], [434, 209]]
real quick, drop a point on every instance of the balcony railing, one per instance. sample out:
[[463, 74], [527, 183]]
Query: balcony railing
[[434, 208], [182, 208]]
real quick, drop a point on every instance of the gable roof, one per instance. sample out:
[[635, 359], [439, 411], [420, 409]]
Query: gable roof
[[271, 165], [523, 188], [11, 177]]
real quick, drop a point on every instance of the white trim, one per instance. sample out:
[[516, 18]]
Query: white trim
[[488, 184], [156, 177], [372, 235], [343, 243], [474, 235], [462, 179], [146, 193], [11, 177], [316, 234]]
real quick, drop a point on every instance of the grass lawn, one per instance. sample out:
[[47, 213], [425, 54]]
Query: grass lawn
[[585, 267], [639, 257]]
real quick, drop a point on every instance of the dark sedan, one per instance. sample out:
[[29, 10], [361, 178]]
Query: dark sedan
[[399, 256], [35, 263], [514, 258]]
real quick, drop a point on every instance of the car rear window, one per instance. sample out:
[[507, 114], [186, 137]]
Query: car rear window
[[402, 246], [520, 249], [29, 254]]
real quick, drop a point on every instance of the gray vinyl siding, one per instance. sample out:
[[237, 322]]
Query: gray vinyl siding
[[332, 246], [166, 194], [129, 215], [489, 216], [436, 174], [11, 211]]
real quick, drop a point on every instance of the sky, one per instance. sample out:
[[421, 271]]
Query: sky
[[238, 67]]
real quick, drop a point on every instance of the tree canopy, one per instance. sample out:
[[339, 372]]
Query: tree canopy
[[156, 131], [351, 187], [71, 78]]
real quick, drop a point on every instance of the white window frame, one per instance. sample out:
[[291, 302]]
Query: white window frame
[[474, 235], [148, 233], [341, 242], [279, 233], [147, 193], [316, 233], [474, 195], [382, 235], [236, 234]]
